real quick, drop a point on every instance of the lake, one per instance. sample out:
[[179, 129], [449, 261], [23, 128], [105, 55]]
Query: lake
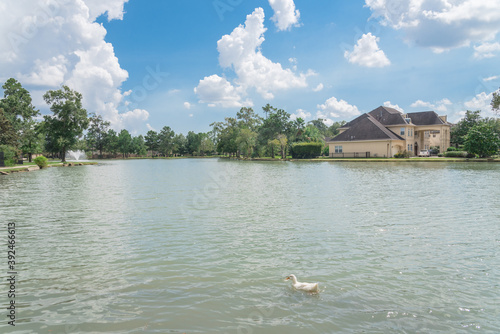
[[204, 245]]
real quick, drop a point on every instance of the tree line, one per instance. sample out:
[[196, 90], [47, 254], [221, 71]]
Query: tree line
[[24, 132]]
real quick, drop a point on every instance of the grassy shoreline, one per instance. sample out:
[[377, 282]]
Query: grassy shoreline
[[28, 167], [325, 159], [31, 166]]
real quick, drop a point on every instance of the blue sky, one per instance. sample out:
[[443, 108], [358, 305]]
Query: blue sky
[[185, 64]]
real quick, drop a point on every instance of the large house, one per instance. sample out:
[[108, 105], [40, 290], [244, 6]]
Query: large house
[[384, 131]]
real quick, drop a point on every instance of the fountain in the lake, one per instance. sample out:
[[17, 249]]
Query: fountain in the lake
[[76, 155]]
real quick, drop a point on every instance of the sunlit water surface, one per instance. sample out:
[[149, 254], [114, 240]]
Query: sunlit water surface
[[203, 246]]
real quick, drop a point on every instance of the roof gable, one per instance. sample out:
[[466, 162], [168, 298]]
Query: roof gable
[[425, 118], [388, 116], [366, 127]]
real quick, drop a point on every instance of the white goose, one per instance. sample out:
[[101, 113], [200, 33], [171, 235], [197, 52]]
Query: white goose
[[309, 287]]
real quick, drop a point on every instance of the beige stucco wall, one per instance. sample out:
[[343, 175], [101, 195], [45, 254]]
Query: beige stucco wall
[[377, 148], [441, 139]]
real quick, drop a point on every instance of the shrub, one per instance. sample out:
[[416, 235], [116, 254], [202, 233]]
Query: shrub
[[41, 161], [10, 155], [456, 154], [402, 155], [451, 149], [326, 150], [434, 150], [306, 150]]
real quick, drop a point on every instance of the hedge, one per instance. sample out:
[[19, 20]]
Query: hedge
[[458, 154], [306, 150]]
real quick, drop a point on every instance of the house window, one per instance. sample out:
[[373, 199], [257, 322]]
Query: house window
[[338, 149], [410, 147], [402, 131], [427, 134]]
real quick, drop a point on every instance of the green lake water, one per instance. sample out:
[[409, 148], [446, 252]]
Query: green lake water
[[203, 246]]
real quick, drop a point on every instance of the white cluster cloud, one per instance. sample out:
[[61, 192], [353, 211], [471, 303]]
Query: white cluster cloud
[[441, 106], [285, 14], [367, 53], [46, 44], [217, 91], [480, 102], [492, 78], [300, 113], [113, 8], [240, 51], [440, 24], [130, 119], [393, 106], [334, 108], [486, 50], [318, 88]]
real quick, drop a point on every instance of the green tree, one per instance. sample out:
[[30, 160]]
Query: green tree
[[180, 143], [139, 146], [7, 134], [248, 119], [206, 143], [320, 125], [111, 142], [193, 143], [495, 102], [482, 140], [460, 130], [313, 134], [152, 141], [228, 135], [283, 142], [297, 128], [166, 141], [246, 141], [96, 135], [124, 143], [68, 121], [32, 138], [333, 130], [18, 108], [268, 109], [277, 123]]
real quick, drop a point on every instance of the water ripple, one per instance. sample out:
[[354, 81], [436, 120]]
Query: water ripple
[[203, 246]]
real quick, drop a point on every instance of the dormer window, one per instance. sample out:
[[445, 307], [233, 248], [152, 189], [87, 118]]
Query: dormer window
[[408, 120]]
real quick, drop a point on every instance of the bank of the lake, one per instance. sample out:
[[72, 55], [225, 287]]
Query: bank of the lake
[[30, 167], [326, 159]]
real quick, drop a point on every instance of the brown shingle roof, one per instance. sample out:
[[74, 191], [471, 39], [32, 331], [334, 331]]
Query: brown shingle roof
[[425, 118], [388, 116], [366, 127]]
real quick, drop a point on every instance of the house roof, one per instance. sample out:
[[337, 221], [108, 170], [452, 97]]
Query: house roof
[[366, 127], [425, 118], [388, 116], [373, 125]]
